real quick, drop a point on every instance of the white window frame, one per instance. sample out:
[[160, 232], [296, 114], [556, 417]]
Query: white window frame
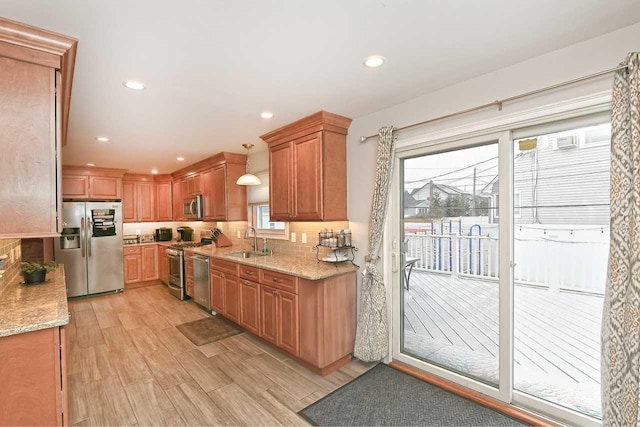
[[262, 233]]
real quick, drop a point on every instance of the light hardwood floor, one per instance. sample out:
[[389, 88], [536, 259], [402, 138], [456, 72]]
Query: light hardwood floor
[[129, 365]]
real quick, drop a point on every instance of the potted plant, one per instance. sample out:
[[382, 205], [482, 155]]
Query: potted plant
[[36, 272]]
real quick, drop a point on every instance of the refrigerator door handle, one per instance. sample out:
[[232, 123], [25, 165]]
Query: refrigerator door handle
[[82, 237], [89, 237]]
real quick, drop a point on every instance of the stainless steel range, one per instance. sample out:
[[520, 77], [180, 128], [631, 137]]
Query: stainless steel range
[[175, 253]]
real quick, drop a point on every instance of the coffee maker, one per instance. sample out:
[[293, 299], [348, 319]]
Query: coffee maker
[[185, 234]]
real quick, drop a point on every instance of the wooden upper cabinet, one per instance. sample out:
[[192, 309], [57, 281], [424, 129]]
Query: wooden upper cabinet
[[37, 72], [75, 186], [129, 202], [307, 177], [105, 187], [280, 182], [91, 183], [218, 194], [207, 194], [177, 200], [163, 201], [215, 179], [145, 199], [308, 169]]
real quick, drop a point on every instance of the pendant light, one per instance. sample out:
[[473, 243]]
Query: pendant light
[[248, 178]]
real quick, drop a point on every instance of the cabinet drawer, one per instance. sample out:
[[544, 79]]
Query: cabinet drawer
[[133, 250], [223, 266], [281, 281], [249, 273]]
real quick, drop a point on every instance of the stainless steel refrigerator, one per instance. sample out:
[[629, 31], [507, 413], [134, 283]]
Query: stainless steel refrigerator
[[90, 247]]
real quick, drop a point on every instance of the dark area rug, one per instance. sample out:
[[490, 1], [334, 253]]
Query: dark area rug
[[384, 396], [210, 329]]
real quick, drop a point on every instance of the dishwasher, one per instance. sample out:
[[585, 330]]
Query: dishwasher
[[202, 288]]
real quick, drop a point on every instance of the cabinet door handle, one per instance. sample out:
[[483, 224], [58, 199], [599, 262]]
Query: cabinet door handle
[[275, 279], [250, 273], [273, 293], [222, 276], [247, 283]]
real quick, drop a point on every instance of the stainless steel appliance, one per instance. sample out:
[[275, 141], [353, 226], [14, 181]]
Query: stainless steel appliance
[[90, 247], [164, 234], [202, 287], [192, 207], [175, 254]]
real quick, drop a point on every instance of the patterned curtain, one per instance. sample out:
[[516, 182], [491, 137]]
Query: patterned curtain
[[621, 318], [372, 334]]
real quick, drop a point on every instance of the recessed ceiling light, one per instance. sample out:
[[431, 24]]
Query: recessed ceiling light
[[374, 61], [102, 139], [132, 84], [91, 164], [266, 115], [154, 171], [180, 159]]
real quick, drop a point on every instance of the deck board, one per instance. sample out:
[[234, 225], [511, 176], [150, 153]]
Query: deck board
[[454, 322]]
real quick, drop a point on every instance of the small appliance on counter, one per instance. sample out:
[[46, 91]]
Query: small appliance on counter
[[130, 239], [164, 234], [185, 234]]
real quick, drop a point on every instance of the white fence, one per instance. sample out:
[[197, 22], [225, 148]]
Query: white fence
[[554, 263]]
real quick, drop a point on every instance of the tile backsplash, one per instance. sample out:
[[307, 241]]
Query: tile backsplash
[[11, 248], [231, 229]]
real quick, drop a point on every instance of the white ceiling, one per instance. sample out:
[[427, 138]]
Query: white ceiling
[[211, 66]]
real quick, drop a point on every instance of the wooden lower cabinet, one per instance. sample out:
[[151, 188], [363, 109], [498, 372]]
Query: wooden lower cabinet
[[150, 262], [189, 276], [268, 314], [314, 321], [250, 306], [217, 291], [33, 377], [132, 268], [231, 298], [141, 263]]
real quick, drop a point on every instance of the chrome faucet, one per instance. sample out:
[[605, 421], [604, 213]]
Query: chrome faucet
[[255, 237]]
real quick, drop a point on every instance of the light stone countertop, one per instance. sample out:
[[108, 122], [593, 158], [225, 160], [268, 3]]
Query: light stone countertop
[[27, 308], [306, 268]]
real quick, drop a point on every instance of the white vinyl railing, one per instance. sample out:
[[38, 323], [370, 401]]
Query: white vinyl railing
[[556, 264]]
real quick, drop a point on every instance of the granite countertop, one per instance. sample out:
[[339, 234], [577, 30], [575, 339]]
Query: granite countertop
[[306, 268], [161, 243], [26, 308]]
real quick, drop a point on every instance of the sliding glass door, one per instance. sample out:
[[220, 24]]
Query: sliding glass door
[[451, 264], [503, 263]]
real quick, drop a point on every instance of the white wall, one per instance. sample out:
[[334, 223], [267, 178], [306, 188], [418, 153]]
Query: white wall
[[577, 60]]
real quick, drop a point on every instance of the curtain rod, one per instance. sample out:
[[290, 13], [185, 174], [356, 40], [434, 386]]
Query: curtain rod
[[498, 103]]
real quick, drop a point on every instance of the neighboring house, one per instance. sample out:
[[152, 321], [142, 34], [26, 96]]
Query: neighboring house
[[564, 180], [425, 192]]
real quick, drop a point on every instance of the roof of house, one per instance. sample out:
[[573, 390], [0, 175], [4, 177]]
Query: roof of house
[[442, 187]]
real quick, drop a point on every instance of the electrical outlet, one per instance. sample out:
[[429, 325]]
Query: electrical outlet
[[238, 234], [138, 232], [303, 237], [293, 237]]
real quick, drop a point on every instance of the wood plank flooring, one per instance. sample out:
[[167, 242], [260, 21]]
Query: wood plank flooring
[[128, 365]]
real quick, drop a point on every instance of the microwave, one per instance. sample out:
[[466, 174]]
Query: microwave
[[192, 207]]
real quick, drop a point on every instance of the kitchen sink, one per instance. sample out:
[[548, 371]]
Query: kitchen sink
[[247, 254]]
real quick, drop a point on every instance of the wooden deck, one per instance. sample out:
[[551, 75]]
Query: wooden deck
[[454, 323]]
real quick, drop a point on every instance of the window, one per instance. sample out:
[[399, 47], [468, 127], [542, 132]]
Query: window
[[259, 219]]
